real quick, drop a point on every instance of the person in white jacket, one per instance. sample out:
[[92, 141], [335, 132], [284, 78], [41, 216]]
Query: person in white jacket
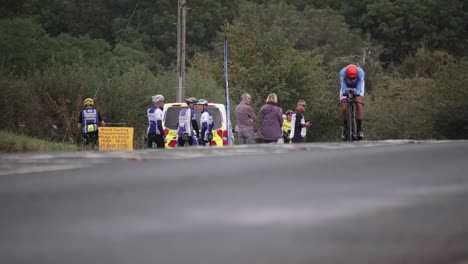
[[298, 124]]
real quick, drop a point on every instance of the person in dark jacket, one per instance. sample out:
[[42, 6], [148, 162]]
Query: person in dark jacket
[[298, 124], [271, 117]]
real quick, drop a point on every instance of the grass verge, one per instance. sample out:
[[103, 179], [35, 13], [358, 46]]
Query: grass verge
[[10, 142]]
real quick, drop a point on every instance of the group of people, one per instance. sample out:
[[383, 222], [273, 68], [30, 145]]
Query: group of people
[[292, 127], [188, 132], [273, 126]]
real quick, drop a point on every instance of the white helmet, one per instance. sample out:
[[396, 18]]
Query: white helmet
[[157, 98], [202, 102]]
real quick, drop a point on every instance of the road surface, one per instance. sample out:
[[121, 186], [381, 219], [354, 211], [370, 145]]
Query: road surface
[[370, 202]]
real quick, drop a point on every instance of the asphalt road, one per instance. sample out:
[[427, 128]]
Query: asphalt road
[[267, 204]]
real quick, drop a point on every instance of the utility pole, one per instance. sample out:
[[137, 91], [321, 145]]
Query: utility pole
[[181, 31]]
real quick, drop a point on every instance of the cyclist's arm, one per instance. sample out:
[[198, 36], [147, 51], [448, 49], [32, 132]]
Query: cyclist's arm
[[195, 126], [159, 125], [210, 123], [203, 129], [360, 83], [151, 120], [344, 88], [159, 122]]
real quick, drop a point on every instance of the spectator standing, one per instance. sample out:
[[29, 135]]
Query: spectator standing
[[298, 124], [287, 126], [245, 120], [271, 117]]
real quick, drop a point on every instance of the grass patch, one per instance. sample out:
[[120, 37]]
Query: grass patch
[[10, 142]]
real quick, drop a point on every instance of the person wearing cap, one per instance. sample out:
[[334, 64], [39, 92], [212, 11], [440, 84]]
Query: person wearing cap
[[188, 124], [206, 123], [352, 81], [89, 121], [155, 133]]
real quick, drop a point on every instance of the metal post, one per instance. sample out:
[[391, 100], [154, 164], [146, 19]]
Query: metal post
[[179, 84], [181, 31], [228, 105], [182, 59]]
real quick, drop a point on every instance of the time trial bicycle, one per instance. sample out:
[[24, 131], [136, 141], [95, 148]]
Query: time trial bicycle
[[351, 134]]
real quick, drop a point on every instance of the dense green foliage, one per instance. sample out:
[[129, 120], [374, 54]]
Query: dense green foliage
[[55, 53]]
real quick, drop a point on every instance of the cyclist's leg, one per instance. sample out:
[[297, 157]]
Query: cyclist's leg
[[210, 138], [345, 116], [180, 141], [359, 115], [84, 139], [193, 141], [89, 140], [151, 140], [201, 142], [159, 140], [352, 122], [351, 125], [95, 139]]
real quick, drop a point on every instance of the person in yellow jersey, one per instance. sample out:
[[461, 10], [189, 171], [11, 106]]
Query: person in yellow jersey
[[287, 126]]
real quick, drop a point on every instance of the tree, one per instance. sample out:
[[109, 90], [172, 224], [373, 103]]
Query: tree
[[24, 44], [450, 107], [403, 26], [328, 34], [264, 59]]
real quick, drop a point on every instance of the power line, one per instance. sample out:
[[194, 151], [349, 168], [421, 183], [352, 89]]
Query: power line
[[120, 40]]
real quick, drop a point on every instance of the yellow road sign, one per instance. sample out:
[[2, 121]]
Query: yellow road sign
[[115, 138]]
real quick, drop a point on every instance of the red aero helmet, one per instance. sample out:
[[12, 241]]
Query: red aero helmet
[[351, 71]]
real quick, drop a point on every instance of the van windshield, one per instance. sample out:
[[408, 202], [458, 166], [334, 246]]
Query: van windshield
[[172, 117]]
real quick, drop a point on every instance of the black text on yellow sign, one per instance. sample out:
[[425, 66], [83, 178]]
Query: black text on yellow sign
[[115, 138]]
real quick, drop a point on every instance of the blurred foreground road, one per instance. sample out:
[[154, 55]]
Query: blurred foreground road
[[267, 204]]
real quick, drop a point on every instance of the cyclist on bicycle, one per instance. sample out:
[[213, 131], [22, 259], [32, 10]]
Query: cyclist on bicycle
[[155, 133], [188, 123], [88, 122], [206, 123], [352, 81]]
